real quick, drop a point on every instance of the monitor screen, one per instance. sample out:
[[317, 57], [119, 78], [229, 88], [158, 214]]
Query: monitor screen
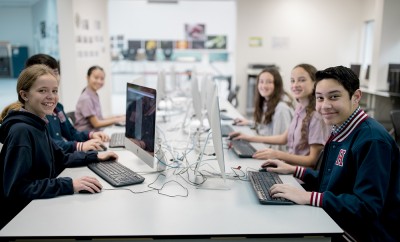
[[356, 68], [141, 121]]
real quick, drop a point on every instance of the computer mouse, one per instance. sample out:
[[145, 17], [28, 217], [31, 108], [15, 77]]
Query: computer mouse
[[230, 137], [84, 192], [264, 167], [103, 147], [262, 170]]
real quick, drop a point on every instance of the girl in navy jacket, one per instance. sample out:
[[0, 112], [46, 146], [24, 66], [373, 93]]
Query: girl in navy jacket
[[30, 161]]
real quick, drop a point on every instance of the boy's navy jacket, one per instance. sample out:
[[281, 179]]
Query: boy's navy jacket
[[359, 181], [30, 163], [63, 132]]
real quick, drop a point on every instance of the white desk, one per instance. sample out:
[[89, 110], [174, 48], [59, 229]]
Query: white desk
[[202, 214]]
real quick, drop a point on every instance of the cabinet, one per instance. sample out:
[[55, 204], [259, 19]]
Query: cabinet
[[19, 55]]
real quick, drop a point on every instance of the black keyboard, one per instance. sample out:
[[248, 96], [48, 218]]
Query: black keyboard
[[262, 182], [226, 129], [117, 140], [224, 117], [243, 148], [115, 173]]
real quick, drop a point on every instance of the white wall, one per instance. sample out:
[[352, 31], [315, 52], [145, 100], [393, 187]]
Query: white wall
[[15, 26], [45, 11], [323, 33], [387, 42], [140, 20], [76, 57]]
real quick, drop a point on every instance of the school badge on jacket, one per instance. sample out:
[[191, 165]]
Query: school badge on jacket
[[339, 159]]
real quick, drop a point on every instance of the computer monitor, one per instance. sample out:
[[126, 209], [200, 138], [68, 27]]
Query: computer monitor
[[213, 112], [367, 72], [140, 132], [196, 99], [161, 85], [356, 68], [393, 78]]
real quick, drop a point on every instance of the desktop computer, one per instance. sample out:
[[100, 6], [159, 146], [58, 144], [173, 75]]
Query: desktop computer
[[140, 133]]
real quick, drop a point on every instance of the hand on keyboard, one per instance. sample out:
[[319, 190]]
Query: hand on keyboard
[[267, 153], [291, 193], [105, 156], [92, 144]]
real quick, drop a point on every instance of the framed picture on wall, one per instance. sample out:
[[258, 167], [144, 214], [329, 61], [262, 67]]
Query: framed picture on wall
[[216, 42], [198, 44], [195, 32]]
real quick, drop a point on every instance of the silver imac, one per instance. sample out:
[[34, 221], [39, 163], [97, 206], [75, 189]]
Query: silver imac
[[140, 129]]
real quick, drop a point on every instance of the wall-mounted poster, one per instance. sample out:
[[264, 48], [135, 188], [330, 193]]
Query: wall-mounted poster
[[150, 48], [167, 47], [255, 41], [133, 47], [182, 44], [195, 32], [198, 44], [216, 42]]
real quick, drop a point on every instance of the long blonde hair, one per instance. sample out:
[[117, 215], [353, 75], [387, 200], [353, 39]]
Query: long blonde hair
[[12, 106]]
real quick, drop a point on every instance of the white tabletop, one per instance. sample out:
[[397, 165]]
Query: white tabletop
[[182, 211]]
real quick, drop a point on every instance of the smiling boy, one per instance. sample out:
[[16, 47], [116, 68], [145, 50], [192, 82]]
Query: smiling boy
[[358, 183]]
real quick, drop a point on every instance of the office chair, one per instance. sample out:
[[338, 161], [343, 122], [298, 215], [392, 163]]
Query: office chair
[[232, 96], [395, 117], [71, 117]]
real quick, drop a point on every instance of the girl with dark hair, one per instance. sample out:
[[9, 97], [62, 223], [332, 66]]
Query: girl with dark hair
[[273, 109], [307, 133], [88, 113]]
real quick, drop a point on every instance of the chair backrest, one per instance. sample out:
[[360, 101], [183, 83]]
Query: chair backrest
[[232, 96], [71, 117], [395, 117]]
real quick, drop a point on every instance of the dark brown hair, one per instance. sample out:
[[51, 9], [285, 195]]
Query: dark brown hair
[[273, 100]]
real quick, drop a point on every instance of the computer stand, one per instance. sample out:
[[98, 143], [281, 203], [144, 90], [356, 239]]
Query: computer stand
[[211, 182]]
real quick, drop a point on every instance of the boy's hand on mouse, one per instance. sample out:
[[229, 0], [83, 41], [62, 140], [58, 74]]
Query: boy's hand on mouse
[[104, 156], [278, 166], [87, 183]]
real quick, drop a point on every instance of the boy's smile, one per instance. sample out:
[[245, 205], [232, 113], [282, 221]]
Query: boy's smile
[[333, 101]]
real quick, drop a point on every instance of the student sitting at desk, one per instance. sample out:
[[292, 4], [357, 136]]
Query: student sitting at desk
[[358, 184], [307, 133], [273, 109], [60, 129], [30, 161], [88, 113]]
